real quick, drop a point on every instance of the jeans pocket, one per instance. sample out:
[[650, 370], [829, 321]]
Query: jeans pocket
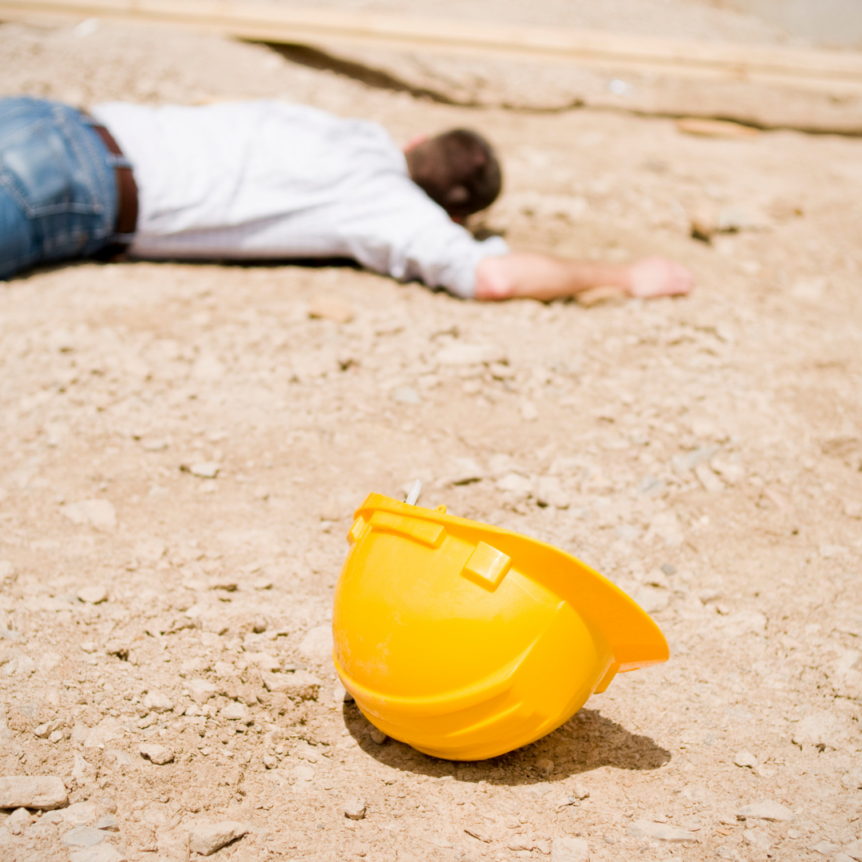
[[40, 168]]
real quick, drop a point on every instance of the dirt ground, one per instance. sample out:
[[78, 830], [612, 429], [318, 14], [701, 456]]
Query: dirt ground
[[703, 453]]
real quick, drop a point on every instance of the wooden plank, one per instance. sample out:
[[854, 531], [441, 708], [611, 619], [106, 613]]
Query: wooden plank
[[834, 71]]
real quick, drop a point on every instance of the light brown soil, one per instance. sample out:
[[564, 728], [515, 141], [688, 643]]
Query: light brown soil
[[119, 379]]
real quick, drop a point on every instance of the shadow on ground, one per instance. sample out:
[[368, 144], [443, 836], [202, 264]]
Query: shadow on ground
[[584, 743]]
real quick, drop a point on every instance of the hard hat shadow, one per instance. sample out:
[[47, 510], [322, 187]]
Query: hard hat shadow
[[586, 742]]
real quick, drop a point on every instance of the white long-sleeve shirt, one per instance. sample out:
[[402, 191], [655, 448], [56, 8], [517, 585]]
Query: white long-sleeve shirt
[[270, 179]]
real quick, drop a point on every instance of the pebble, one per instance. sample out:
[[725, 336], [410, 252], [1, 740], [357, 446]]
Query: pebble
[[156, 701], [205, 469], [209, 837], [478, 834], [301, 685], [105, 731], [270, 761], [43, 731], [99, 853], [465, 471], [41, 792], [708, 479], [745, 758], [18, 821], [99, 514], [768, 809], [570, 850], [659, 832], [354, 809], [81, 813], [235, 711], [529, 411], [406, 395], [93, 595], [83, 836], [107, 823], [378, 736], [201, 690], [652, 599], [757, 838], [317, 645], [156, 753]]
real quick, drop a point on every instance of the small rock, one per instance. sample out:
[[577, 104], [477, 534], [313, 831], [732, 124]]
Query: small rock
[[822, 728], [156, 753], [578, 791], [99, 514], [99, 853], [207, 838], [81, 814], [300, 685], [378, 736], [546, 766], [270, 761], [93, 595], [108, 823], [768, 809], [354, 809], [745, 758], [529, 412], [659, 832], [83, 836], [758, 838], [317, 645], [156, 701], [205, 469], [18, 821], [515, 483], [121, 758], [708, 479], [570, 850], [652, 599], [235, 712], [478, 834], [340, 694], [41, 792], [105, 731], [201, 690], [43, 731], [406, 395], [330, 309]]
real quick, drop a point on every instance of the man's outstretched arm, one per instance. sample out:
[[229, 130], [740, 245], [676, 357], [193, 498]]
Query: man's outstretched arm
[[546, 277]]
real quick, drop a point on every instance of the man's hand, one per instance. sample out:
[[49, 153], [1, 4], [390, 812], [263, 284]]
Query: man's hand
[[546, 277], [658, 276]]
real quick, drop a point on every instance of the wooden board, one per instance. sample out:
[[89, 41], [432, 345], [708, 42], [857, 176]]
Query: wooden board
[[833, 71]]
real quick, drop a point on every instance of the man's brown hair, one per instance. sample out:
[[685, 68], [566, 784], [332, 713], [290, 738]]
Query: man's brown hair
[[458, 170]]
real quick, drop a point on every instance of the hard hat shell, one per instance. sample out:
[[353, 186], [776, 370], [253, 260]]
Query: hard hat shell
[[465, 640]]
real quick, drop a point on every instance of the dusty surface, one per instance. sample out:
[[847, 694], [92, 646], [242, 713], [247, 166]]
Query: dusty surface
[[705, 454]]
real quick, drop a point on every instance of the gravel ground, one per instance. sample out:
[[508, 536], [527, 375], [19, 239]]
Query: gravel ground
[[184, 445]]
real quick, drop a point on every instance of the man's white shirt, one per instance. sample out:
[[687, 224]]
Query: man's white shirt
[[270, 179]]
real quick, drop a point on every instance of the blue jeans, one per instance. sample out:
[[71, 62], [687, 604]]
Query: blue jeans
[[58, 195]]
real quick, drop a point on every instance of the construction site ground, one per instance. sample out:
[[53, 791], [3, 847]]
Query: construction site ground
[[184, 444]]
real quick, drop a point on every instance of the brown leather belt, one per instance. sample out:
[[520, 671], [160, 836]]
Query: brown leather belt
[[127, 190]]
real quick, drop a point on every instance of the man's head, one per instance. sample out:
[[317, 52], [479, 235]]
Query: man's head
[[457, 170]]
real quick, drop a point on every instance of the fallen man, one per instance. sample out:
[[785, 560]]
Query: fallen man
[[271, 180]]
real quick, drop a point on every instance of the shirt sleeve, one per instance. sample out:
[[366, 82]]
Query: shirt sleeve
[[408, 236]]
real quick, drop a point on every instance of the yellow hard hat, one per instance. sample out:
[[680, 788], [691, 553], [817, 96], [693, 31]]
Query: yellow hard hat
[[466, 640]]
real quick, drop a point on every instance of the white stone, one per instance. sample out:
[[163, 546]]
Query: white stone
[[459, 353], [18, 821], [263, 660], [652, 599], [205, 469], [201, 690], [354, 809], [82, 771], [515, 483], [745, 758], [157, 701], [99, 514], [757, 838], [81, 814], [317, 644], [235, 711], [83, 836], [768, 809], [156, 753], [659, 832], [207, 838], [23, 791], [93, 595], [708, 479], [570, 850]]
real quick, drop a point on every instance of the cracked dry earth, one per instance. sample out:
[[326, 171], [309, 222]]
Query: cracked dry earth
[[183, 446]]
